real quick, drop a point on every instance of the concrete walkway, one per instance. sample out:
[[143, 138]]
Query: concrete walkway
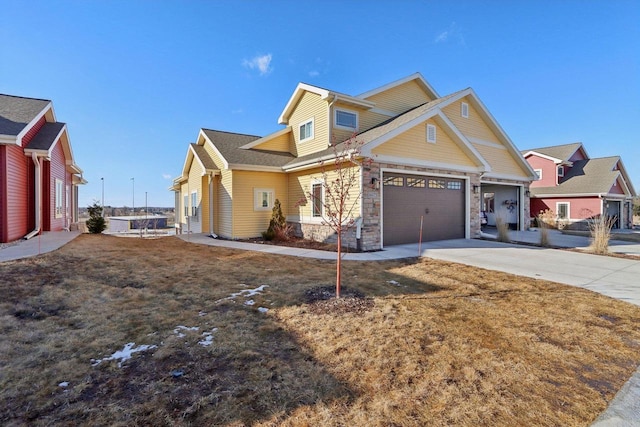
[[615, 277]]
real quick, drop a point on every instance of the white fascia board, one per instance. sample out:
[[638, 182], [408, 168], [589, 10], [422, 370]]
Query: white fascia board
[[427, 164], [383, 112], [8, 139], [625, 178], [297, 94], [195, 157], [187, 162], [317, 162], [266, 138], [568, 195], [496, 175], [256, 168], [544, 156], [29, 125], [215, 149], [350, 100], [415, 76], [57, 139]]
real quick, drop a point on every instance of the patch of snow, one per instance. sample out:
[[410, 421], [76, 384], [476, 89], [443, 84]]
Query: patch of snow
[[393, 282], [184, 328], [208, 338], [124, 354], [262, 309], [202, 313], [246, 293], [64, 384], [249, 302]]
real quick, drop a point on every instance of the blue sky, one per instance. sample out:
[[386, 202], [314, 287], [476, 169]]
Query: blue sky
[[136, 80]]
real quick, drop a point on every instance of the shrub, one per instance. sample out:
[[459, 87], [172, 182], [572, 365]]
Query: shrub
[[600, 228], [278, 227], [502, 226], [544, 221], [96, 223]]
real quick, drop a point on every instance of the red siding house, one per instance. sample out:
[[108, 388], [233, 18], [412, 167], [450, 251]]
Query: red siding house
[[38, 174], [576, 187]]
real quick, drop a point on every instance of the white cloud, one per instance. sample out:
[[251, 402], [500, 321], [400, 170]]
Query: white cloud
[[314, 73], [166, 176], [453, 33], [261, 63]]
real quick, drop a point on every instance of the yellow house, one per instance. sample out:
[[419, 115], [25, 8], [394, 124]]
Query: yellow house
[[433, 165]]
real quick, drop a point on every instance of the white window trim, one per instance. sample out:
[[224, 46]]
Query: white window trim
[[344, 110], [185, 208], [464, 110], [539, 173], [568, 209], [559, 169], [194, 206], [257, 199], [321, 184], [58, 198], [313, 129], [429, 133]]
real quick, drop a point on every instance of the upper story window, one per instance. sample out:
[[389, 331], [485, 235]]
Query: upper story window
[[560, 171], [464, 110], [306, 130], [346, 119], [538, 173], [431, 133]]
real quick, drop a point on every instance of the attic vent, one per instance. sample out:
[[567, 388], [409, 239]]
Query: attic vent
[[464, 110], [431, 133]]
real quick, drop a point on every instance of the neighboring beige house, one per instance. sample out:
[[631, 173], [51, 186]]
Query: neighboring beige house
[[435, 161]]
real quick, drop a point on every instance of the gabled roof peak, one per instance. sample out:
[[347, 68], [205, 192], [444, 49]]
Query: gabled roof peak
[[415, 76]]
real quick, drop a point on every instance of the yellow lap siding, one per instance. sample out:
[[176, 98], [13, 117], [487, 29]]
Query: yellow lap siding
[[214, 155], [223, 204], [473, 126], [413, 144], [400, 98], [247, 221], [279, 143], [500, 160], [310, 106], [300, 187]]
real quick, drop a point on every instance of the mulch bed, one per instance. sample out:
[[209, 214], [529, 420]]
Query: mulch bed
[[322, 300]]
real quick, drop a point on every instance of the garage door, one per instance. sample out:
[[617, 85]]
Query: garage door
[[407, 198]]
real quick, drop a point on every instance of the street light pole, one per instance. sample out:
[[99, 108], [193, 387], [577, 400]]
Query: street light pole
[[133, 198], [102, 179]]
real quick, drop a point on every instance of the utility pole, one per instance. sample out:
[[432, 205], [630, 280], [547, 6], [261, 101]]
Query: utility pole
[[102, 179], [133, 198]]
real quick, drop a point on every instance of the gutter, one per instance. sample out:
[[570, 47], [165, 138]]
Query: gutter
[[38, 196]]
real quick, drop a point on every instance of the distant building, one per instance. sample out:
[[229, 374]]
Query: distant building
[[121, 224]]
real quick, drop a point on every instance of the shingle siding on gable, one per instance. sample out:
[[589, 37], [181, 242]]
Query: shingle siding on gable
[[310, 106], [400, 98]]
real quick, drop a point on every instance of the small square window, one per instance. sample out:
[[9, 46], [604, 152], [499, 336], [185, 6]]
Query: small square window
[[560, 171], [464, 110], [306, 130], [539, 173], [431, 133], [263, 199]]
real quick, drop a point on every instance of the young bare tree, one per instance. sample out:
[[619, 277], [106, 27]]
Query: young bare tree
[[342, 191]]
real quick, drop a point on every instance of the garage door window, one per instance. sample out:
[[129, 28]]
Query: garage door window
[[454, 185], [416, 182], [393, 181], [437, 183]]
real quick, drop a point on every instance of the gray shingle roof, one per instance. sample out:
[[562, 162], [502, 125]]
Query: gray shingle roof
[[562, 152], [204, 157], [591, 176], [17, 112], [45, 137], [229, 146]]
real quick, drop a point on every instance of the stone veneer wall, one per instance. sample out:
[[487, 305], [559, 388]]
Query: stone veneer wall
[[370, 239]]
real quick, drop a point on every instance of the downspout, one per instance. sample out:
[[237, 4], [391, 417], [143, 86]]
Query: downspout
[[38, 196], [211, 181]]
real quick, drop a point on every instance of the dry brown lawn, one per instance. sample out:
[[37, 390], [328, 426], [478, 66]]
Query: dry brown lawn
[[431, 343]]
